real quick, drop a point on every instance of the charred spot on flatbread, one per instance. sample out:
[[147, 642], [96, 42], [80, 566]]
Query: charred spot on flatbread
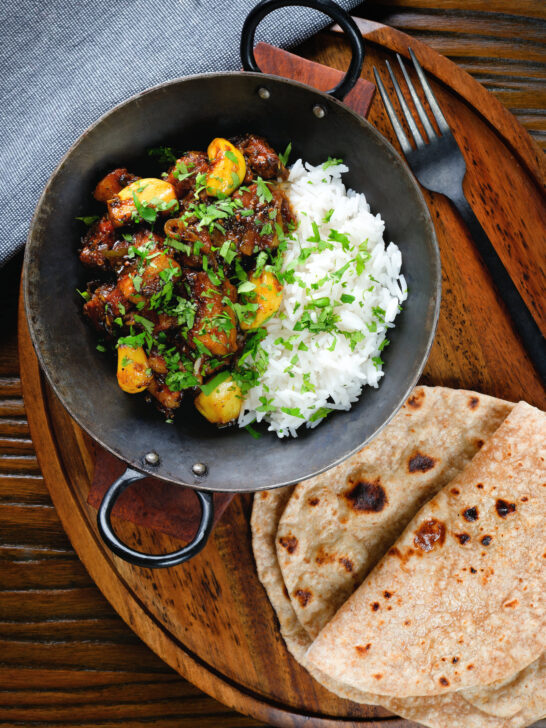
[[471, 514], [362, 650], [346, 563], [486, 540], [290, 543], [462, 538], [323, 557], [430, 534], [503, 507], [473, 402], [416, 399], [303, 596], [375, 606], [313, 501], [365, 496], [420, 463], [443, 681]]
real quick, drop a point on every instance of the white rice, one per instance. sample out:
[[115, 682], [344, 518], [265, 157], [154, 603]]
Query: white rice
[[324, 362]]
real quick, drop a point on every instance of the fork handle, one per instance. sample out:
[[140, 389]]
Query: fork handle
[[524, 322]]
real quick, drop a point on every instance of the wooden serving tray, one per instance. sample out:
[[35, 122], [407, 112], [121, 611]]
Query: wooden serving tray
[[210, 619]]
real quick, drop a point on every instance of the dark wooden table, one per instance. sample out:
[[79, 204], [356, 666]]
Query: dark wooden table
[[66, 658]]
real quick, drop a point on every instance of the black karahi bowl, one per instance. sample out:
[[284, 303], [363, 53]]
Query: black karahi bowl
[[187, 113]]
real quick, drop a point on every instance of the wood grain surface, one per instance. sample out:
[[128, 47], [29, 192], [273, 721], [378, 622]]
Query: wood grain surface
[[66, 658]]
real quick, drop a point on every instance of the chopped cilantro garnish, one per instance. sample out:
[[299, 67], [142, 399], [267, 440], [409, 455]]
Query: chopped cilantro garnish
[[286, 154], [328, 215], [340, 238], [320, 302], [215, 382], [347, 298], [227, 251], [143, 211], [293, 411], [319, 414], [178, 245], [146, 323], [164, 155], [379, 313], [339, 273], [246, 287], [331, 162], [88, 219], [251, 431], [264, 193]]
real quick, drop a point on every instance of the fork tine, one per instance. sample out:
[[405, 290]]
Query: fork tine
[[440, 118], [405, 108], [429, 129], [391, 113]]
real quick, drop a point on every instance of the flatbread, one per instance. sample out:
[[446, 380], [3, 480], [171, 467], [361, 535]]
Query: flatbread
[[266, 512], [525, 691], [438, 712], [459, 601], [336, 526], [453, 711]]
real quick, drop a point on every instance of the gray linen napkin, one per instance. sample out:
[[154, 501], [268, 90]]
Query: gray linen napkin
[[63, 63]]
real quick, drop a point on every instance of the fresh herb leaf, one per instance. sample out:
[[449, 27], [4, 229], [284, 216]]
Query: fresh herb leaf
[[331, 162], [338, 237], [293, 411], [88, 219], [286, 154], [319, 414], [264, 193], [251, 431], [215, 382], [145, 323], [164, 155], [246, 287]]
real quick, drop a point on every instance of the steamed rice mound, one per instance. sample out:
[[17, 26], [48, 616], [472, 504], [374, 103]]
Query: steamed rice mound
[[342, 292]]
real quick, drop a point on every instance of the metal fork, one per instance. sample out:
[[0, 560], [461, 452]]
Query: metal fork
[[440, 167]]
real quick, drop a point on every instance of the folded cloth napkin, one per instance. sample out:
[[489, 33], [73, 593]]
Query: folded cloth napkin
[[66, 63]]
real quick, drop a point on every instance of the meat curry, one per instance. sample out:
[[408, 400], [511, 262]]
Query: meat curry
[[187, 270]]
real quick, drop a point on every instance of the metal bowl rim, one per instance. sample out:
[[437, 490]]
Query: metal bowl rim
[[139, 464]]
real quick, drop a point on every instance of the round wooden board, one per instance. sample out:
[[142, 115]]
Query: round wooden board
[[210, 619]]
